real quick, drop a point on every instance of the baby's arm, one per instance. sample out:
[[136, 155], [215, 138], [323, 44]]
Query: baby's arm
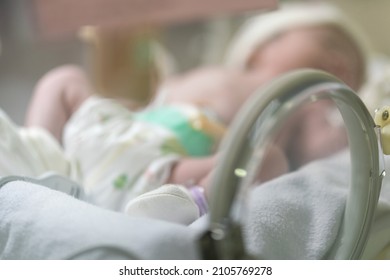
[[191, 170], [56, 97], [199, 171], [274, 165]]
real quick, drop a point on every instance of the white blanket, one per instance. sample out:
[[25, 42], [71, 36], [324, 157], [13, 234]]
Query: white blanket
[[38, 223], [293, 217]]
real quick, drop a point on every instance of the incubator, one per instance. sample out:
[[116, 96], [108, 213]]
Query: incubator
[[242, 153], [223, 232]]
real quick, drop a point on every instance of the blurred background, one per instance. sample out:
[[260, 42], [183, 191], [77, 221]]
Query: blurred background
[[26, 55]]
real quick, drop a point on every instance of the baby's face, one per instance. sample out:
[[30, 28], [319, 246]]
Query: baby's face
[[297, 48]]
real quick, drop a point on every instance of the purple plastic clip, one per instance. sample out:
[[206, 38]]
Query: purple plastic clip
[[200, 199]]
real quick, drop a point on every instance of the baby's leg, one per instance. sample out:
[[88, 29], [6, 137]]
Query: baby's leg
[[274, 164], [57, 96]]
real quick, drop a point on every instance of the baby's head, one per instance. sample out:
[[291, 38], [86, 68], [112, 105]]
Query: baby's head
[[321, 47], [302, 36]]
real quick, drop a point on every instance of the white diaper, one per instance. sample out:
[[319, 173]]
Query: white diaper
[[119, 158]]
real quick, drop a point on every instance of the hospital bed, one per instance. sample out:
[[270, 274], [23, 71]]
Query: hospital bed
[[37, 222]]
